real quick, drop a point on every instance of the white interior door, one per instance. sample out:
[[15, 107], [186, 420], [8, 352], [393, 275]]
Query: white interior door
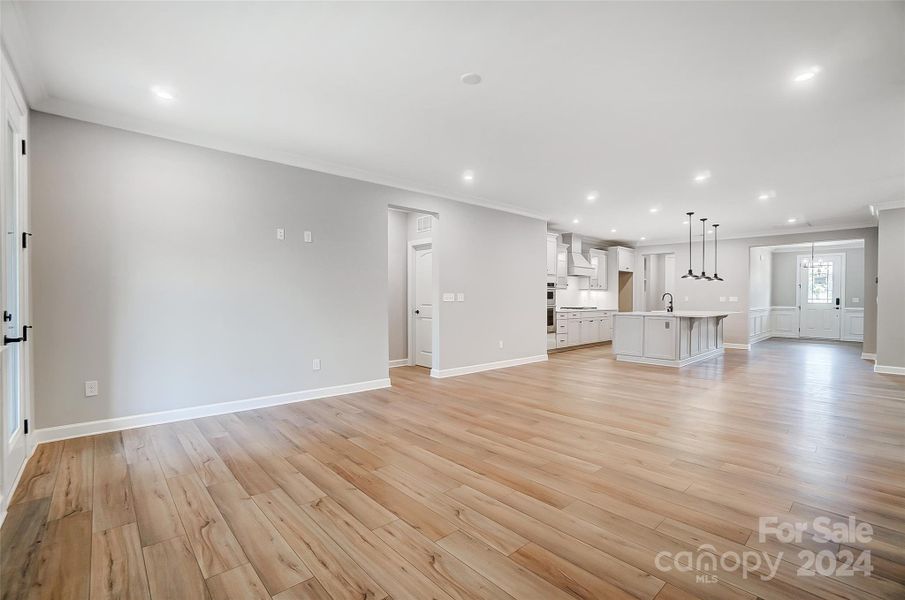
[[12, 214], [422, 317], [820, 296]]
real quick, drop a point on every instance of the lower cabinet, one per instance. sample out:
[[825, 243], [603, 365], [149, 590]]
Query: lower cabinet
[[585, 327]]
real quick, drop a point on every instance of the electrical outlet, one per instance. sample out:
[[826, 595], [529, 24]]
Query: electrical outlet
[[281, 233], [90, 388], [316, 364], [501, 344], [307, 237]]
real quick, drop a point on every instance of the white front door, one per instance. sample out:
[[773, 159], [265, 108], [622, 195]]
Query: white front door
[[422, 319], [12, 214], [820, 296]]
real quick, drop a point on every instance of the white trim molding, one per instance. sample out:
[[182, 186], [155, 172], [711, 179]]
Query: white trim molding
[[399, 362], [759, 326], [730, 346], [500, 364], [889, 370], [62, 432], [869, 356]]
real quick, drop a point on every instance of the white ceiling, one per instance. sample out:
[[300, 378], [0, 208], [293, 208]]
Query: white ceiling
[[631, 99]]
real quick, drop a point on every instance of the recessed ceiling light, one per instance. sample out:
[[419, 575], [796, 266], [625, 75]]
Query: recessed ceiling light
[[470, 79], [592, 195], [468, 175], [654, 210], [162, 93], [710, 232], [643, 238], [702, 176], [807, 74], [575, 220], [684, 222], [612, 231], [768, 195], [791, 220]]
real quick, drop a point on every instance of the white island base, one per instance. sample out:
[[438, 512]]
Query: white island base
[[668, 339]]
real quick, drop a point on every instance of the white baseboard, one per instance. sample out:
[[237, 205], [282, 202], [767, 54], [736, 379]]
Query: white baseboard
[[869, 356], [61, 432], [500, 364], [401, 362], [759, 338], [791, 336], [889, 370], [737, 346]]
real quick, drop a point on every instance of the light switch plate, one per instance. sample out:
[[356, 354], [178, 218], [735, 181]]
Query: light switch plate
[[722, 298], [449, 297], [733, 298], [460, 297], [281, 233], [856, 300], [316, 364], [90, 388], [307, 237]]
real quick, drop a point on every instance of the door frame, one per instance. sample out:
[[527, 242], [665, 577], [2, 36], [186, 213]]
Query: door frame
[[10, 87], [798, 289], [414, 246]]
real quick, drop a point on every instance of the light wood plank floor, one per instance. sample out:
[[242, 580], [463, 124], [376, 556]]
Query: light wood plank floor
[[562, 479]]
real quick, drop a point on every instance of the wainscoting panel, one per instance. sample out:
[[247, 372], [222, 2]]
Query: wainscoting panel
[[784, 321], [853, 324]]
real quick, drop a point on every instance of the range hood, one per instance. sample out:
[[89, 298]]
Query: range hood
[[578, 265]]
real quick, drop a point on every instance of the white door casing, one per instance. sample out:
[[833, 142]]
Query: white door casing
[[423, 311], [14, 358], [820, 296]]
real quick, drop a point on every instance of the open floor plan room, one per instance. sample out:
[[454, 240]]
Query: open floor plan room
[[272, 325], [540, 481]]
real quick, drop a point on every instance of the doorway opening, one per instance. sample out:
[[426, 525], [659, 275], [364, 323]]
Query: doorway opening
[[811, 290], [658, 278], [412, 323]]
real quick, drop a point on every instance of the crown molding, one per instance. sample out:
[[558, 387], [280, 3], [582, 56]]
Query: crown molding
[[792, 231], [91, 114], [890, 205], [17, 47]]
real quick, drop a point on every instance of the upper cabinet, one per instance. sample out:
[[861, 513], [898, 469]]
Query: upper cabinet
[[562, 266], [552, 247], [598, 263], [625, 258]]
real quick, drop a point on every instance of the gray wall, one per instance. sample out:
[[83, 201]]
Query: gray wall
[[891, 289], [158, 273], [734, 266], [397, 276], [760, 279], [785, 276]]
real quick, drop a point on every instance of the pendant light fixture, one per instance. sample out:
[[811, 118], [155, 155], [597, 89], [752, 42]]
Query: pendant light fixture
[[716, 277], [703, 276], [690, 274], [809, 264]]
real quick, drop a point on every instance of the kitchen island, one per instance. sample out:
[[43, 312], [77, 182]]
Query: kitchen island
[[669, 339]]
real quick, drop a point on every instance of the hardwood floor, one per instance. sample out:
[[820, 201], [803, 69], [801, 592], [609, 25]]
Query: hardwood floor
[[566, 479]]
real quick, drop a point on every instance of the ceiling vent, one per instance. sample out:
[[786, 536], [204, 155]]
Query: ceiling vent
[[423, 224]]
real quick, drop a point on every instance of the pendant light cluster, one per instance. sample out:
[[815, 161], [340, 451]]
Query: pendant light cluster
[[703, 276]]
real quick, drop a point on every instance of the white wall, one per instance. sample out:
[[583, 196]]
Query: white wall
[[157, 272], [891, 291], [734, 259]]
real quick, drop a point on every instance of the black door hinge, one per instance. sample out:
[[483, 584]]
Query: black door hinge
[[23, 147], [25, 236], [26, 426]]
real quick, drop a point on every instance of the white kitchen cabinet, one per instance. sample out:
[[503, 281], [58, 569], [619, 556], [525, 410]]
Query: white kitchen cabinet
[[573, 332], [552, 247], [576, 328], [562, 266], [625, 259], [598, 259]]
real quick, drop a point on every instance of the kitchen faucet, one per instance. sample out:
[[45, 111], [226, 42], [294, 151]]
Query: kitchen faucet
[[669, 307]]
